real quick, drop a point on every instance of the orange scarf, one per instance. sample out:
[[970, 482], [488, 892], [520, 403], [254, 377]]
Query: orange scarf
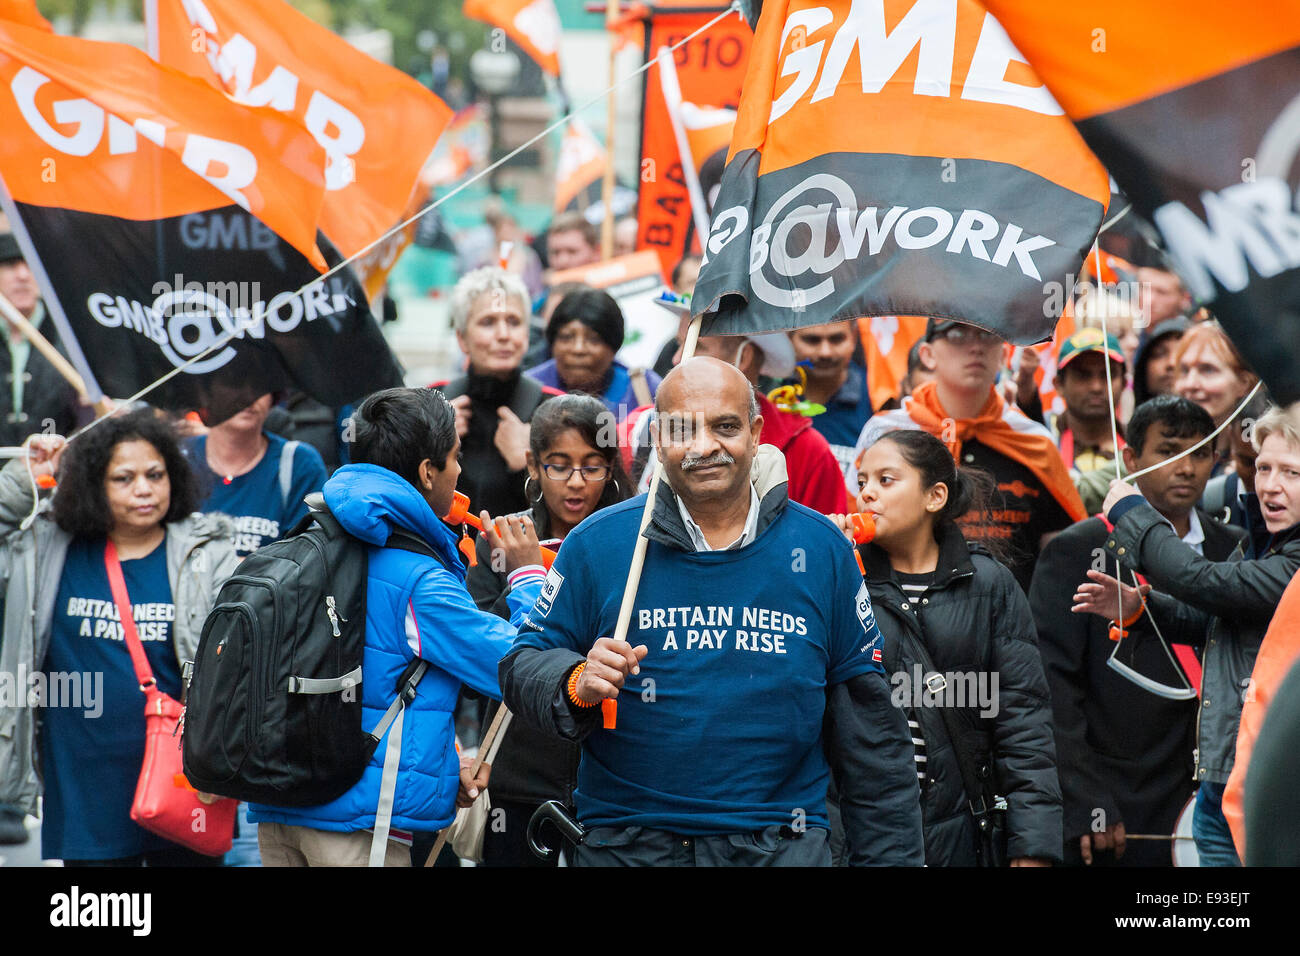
[[990, 427]]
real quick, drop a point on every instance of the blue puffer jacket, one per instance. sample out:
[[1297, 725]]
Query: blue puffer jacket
[[414, 607]]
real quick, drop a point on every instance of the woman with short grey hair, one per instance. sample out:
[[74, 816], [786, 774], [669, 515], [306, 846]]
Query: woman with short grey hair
[[493, 400]]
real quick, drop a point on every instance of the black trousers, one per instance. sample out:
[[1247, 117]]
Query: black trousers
[[505, 843], [638, 846]]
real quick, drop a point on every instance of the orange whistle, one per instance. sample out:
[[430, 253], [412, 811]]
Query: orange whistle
[[460, 514], [609, 713], [179, 780], [46, 482], [864, 526], [467, 548]]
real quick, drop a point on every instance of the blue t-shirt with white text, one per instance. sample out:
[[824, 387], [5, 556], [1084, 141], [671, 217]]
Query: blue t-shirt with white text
[[92, 736], [721, 731], [254, 500]]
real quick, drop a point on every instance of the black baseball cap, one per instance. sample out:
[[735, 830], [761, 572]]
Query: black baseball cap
[[935, 327]]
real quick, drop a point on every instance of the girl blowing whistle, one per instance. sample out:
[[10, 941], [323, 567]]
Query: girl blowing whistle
[[960, 646]]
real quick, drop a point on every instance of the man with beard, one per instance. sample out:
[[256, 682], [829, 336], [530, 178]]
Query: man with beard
[[837, 382], [752, 672]]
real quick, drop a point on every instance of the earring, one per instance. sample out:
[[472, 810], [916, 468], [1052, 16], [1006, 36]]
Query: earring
[[536, 500], [617, 490]]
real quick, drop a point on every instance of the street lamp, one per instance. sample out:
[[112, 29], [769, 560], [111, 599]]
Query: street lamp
[[494, 73]]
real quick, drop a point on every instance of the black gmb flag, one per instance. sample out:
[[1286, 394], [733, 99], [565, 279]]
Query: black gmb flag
[[158, 293], [167, 223], [896, 157], [1194, 108]]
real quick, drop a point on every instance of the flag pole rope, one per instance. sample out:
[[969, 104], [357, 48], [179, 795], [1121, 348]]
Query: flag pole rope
[[222, 340]]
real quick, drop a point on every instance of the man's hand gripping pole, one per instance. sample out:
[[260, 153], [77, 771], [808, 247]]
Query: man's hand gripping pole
[[609, 706]]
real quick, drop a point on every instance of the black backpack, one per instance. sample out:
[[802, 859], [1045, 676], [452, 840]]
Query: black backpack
[[273, 706]]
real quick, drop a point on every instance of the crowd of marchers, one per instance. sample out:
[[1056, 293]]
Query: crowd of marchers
[[1042, 651]]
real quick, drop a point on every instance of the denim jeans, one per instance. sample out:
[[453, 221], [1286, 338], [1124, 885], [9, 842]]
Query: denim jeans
[[1214, 844], [243, 851]]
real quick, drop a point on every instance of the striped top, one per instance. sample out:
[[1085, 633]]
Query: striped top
[[914, 587]]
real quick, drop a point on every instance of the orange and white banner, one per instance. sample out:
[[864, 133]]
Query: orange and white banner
[[886, 342], [895, 157], [533, 24], [581, 163], [377, 125], [709, 72]]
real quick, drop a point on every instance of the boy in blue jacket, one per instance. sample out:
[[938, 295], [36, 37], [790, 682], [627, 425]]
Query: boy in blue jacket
[[404, 473]]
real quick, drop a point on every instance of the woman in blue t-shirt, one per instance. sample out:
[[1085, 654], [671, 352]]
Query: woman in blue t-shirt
[[254, 476], [126, 481], [962, 654]]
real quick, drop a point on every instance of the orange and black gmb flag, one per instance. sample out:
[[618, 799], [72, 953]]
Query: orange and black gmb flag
[[161, 219], [895, 157], [376, 124], [1194, 107]]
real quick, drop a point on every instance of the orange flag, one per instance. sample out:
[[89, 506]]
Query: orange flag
[[581, 163], [99, 127], [24, 12], [533, 24], [886, 340], [376, 124]]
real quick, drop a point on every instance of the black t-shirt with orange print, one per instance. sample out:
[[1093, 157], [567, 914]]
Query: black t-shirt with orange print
[[1023, 510]]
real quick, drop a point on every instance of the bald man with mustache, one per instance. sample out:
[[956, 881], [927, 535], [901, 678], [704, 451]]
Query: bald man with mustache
[[752, 669]]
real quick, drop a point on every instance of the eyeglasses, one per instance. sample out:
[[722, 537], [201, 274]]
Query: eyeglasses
[[963, 334], [564, 472]]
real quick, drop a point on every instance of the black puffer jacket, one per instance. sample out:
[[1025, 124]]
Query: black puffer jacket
[[974, 620], [1223, 607]]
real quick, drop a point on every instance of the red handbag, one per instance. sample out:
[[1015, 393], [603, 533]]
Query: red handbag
[[164, 802]]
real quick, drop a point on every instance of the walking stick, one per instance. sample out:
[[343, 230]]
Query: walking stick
[[487, 752], [47, 349], [609, 706], [42, 345]]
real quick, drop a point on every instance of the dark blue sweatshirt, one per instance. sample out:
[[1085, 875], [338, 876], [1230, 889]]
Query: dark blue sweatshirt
[[721, 731]]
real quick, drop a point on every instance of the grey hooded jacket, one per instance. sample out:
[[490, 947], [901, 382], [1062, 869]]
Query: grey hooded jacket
[[200, 556]]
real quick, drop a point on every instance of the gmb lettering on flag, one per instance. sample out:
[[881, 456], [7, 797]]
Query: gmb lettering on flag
[[84, 119], [895, 157], [376, 124], [165, 221], [1207, 147]]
